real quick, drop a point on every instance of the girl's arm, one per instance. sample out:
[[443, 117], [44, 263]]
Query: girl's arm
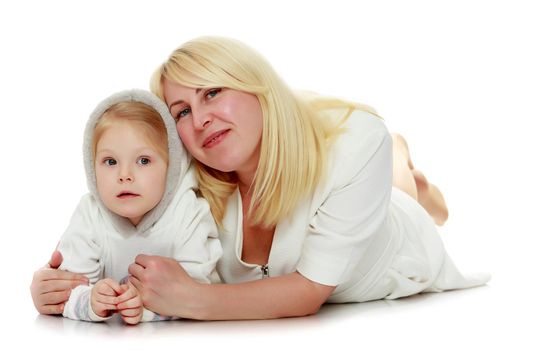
[[168, 290]]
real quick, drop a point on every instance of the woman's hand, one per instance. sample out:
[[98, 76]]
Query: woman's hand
[[51, 288], [164, 286]]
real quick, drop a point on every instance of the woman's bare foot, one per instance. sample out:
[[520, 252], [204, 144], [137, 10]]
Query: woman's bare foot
[[430, 197]]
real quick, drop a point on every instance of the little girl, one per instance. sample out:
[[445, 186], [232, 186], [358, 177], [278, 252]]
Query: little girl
[[141, 200]]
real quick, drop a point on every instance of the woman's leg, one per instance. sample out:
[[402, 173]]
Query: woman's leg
[[414, 183]]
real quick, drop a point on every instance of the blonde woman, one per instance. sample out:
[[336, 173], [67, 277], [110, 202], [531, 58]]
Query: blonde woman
[[301, 187]]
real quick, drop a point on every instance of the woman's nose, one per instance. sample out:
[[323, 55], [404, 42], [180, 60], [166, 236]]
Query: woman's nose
[[202, 118]]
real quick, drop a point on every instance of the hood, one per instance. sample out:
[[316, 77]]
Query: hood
[[179, 158]]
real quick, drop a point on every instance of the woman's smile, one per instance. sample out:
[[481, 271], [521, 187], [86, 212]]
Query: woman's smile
[[215, 138]]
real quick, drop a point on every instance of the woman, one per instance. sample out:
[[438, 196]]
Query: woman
[[301, 187]]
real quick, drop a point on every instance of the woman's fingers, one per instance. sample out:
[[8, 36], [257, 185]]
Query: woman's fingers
[[51, 309], [143, 260], [136, 270], [49, 296], [54, 298], [57, 285], [48, 274], [56, 260], [53, 287], [136, 283], [50, 288]]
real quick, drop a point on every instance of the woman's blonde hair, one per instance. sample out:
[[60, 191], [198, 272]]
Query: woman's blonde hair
[[148, 120], [296, 128]]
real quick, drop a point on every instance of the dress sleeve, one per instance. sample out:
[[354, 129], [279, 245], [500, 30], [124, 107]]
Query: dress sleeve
[[344, 224], [198, 248]]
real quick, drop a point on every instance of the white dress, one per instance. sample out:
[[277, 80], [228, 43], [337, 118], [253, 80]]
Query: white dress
[[355, 232]]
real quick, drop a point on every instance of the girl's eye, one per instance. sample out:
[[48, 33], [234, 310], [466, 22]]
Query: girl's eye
[[143, 161], [212, 93], [109, 161]]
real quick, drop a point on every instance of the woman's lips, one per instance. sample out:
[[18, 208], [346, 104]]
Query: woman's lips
[[215, 138]]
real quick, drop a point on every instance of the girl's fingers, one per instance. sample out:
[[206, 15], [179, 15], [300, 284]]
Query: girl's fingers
[[106, 299], [127, 295], [130, 312], [114, 285], [109, 287], [130, 304], [132, 320], [105, 306]]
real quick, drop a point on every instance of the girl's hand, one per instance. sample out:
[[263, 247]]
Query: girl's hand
[[164, 286], [130, 305], [51, 287], [103, 297]]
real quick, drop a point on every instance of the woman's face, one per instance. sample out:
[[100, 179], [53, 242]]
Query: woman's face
[[220, 127]]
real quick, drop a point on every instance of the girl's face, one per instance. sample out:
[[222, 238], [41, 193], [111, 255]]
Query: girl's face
[[220, 127], [130, 173]]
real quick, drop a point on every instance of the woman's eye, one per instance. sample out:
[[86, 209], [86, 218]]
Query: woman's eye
[[143, 161], [109, 161], [184, 112], [212, 93]]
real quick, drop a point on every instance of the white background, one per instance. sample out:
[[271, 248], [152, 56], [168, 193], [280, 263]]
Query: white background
[[460, 79]]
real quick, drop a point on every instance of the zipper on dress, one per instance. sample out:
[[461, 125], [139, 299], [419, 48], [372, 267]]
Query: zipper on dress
[[264, 271]]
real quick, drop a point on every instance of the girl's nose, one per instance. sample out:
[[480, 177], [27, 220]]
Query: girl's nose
[[123, 179], [125, 176]]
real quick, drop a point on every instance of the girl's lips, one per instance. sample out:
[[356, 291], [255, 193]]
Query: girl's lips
[[127, 195], [215, 138]]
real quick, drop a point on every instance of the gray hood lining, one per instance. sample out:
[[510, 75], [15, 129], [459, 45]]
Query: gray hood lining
[[179, 158]]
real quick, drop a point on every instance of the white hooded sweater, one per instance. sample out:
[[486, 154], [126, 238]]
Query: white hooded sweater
[[102, 244]]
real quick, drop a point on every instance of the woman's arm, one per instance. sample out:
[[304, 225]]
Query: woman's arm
[[51, 288], [289, 295], [168, 290]]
